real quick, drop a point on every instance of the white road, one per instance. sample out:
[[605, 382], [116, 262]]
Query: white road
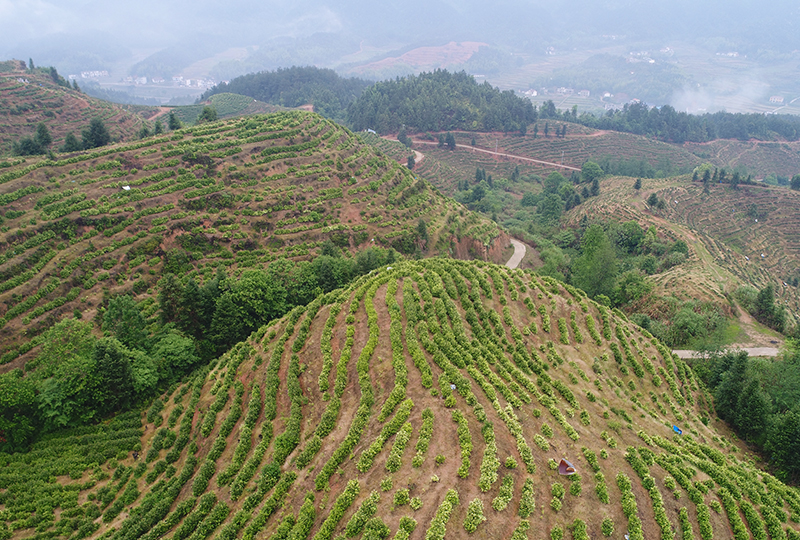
[[519, 253]]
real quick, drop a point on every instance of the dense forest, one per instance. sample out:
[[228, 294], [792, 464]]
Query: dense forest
[[439, 101], [295, 86], [760, 399], [669, 125]]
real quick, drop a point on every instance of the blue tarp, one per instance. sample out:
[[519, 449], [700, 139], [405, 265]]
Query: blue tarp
[[677, 430]]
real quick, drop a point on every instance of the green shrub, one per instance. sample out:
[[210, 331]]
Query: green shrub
[[474, 515], [527, 504], [401, 497], [505, 494], [607, 527]]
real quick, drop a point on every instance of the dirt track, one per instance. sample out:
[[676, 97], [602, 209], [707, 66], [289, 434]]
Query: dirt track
[[752, 351], [511, 156]]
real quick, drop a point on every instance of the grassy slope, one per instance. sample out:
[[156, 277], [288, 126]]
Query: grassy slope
[[23, 106], [600, 405], [245, 191], [756, 157]]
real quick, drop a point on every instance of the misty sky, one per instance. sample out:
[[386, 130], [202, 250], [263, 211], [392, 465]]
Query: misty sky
[[163, 37], [150, 23]]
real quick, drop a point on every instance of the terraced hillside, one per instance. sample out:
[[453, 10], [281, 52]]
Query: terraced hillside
[[226, 105], [29, 98], [237, 193], [728, 231], [579, 145], [431, 399], [757, 157]]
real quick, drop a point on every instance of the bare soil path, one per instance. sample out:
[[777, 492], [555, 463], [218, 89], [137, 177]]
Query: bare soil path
[[502, 154], [752, 351]]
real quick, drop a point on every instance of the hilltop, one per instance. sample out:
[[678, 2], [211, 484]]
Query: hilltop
[[28, 98], [234, 194], [343, 417]]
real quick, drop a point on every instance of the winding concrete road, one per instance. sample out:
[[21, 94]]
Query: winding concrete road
[[519, 253], [752, 351]]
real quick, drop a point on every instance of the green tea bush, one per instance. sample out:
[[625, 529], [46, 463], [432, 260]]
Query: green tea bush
[[474, 515], [367, 509], [527, 504], [438, 526], [505, 494]]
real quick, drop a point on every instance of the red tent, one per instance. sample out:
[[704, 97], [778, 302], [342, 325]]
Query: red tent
[[565, 468]]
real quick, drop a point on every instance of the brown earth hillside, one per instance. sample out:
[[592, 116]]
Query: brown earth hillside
[[28, 98], [427, 400]]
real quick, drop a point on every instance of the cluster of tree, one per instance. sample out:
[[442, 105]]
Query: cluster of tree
[[448, 140], [95, 135], [560, 195], [38, 144], [612, 262], [488, 60], [608, 73], [94, 89], [761, 305], [221, 312], [439, 101], [76, 378], [295, 86], [53, 74], [561, 131], [639, 167], [667, 124], [702, 173], [760, 399]]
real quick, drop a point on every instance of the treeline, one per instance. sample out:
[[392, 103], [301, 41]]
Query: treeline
[[760, 399], [295, 86], [669, 125], [439, 101], [77, 378]]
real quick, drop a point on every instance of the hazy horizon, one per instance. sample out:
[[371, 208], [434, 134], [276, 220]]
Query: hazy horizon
[[527, 41]]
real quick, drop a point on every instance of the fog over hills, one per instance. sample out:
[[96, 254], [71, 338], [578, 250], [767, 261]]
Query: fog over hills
[[85, 35]]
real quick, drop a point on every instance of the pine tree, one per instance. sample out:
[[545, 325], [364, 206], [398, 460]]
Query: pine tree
[[637, 185], [71, 143], [43, 137], [95, 135], [173, 121]]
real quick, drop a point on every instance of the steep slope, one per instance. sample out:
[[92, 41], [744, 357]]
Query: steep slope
[[237, 193], [29, 98], [411, 404]]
